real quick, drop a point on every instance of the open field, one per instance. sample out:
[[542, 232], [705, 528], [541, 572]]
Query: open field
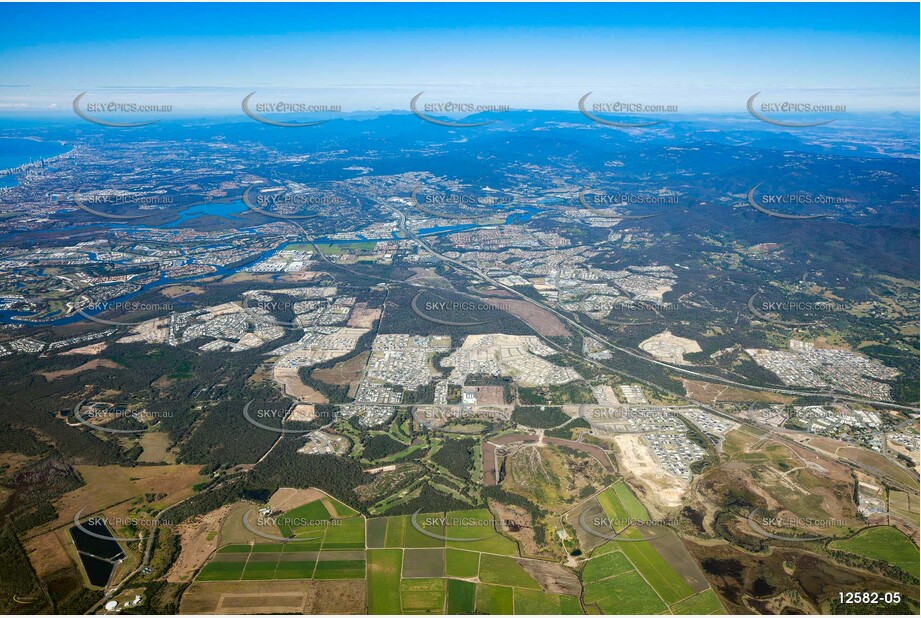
[[479, 527], [505, 571], [883, 543], [459, 563], [537, 318], [708, 392], [660, 574], [423, 595], [384, 567], [87, 366], [461, 597], [531, 602], [416, 573], [247, 597], [428, 562], [624, 593], [287, 498], [337, 248], [109, 490], [495, 599], [705, 602], [156, 448], [876, 462], [343, 372], [199, 538], [279, 561], [621, 506], [552, 476]]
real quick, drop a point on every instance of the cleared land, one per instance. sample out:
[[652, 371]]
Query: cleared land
[[883, 543]]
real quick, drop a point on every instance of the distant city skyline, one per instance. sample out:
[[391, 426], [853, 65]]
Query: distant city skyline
[[201, 57]]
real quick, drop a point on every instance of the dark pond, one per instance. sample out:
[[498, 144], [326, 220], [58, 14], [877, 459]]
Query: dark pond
[[98, 556]]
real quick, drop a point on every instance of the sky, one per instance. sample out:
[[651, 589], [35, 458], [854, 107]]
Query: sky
[[699, 57]]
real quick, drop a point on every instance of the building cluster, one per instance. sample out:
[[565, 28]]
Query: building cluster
[[369, 415], [633, 394], [404, 360], [507, 355], [322, 442], [706, 422], [675, 452], [808, 366]]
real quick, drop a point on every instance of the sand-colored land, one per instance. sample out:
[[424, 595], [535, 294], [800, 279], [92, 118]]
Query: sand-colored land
[[87, 366], [537, 318], [708, 392], [275, 597], [363, 317], [156, 448], [313, 352], [552, 577], [109, 490], [91, 350], [151, 331], [293, 386], [287, 498], [174, 291], [344, 372], [303, 412], [198, 538], [668, 348], [48, 553], [663, 488]]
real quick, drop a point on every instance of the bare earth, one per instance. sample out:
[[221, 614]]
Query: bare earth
[[93, 364], [668, 490], [196, 544], [286, 498], [91, 350], [539, 319], [363, 317], [303, 412], [297, 389]]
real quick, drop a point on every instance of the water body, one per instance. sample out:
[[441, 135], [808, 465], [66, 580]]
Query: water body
[[15, 151], [98, 556], [224, 210], [9, 316]]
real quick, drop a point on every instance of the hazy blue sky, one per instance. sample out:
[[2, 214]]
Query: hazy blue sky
[[374, 56]]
